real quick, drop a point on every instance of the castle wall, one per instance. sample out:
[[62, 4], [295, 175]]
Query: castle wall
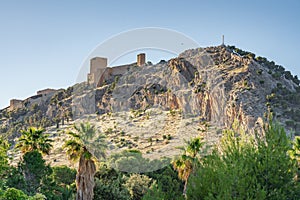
[[99, 72], [110, 72], [119, 70], [45, 91], [15, 104]]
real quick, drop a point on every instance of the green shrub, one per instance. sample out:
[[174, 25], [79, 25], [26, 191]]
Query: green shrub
[[259, 72], [34, 169], [109, 184], [15, 179], [3, 161], [64, 175], [14, 194], [290, 123], [262, 82], [247, 167], [167, 186], [138, 185]]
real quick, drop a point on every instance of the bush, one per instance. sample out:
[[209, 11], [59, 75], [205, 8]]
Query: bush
[[15, 179], [109, 184], [157, 193], [138, 185], [34, 169], [132, 161], [14, 194], [262, 82], [247, 167], [3, 161], [167, 187], [64, 175], [38, 196], [110, 190]]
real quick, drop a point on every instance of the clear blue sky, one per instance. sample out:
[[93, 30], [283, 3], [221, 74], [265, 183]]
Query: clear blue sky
[[43, 43]]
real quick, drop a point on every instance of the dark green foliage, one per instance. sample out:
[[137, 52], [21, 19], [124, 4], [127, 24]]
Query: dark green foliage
[[32, 176], [138, 185], [132, 161], [242, 53], [290, 123], [109, 185], [3, 161], [155, 193], [275, 169], [259, 71], [14, 194], [247, 167], [112, 184], [34, 170], [110, 191], [15, 179], [167, 187], [54, 191], [54, 186], [64, 175], [277, 71], [34, 139], [288, 103]]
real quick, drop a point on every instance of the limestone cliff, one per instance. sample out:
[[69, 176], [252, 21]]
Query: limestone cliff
[[216, 84], [200, 92]]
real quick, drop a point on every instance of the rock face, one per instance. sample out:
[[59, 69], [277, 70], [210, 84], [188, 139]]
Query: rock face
[[217, 85], [155, 108]]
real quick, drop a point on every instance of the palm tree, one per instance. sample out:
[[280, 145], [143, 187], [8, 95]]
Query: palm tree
[[194, 146], [85, 145], [186, 163], [184, 167], [34, 139]]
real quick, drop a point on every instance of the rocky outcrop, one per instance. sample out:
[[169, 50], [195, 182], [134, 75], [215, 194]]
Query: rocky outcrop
[[213, 84]]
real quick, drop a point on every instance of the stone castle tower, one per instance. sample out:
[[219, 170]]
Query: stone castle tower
[[141, 59], [97, 67]]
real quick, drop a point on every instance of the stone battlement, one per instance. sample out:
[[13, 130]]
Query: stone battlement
[[99, 71]]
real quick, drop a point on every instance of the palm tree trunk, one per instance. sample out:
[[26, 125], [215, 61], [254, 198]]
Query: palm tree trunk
[[184, 188], [85, 179]]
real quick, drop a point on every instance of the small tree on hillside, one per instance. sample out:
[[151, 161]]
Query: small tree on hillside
[[186, 163]]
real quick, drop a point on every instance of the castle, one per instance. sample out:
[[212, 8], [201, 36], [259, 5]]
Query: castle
[[100, 72], [17, 103]]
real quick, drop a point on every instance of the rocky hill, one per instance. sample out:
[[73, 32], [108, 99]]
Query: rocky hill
[[154, 108]]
